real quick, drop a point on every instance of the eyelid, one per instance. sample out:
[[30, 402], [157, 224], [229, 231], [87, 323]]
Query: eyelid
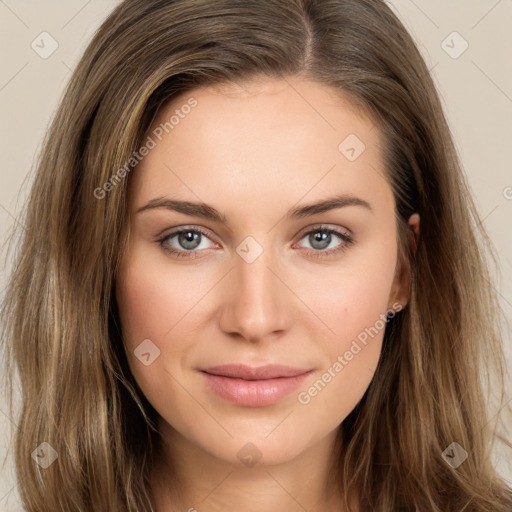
[[324, 227], [165, 233]]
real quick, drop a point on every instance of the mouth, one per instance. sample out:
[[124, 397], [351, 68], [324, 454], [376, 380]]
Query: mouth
[[254, 386]]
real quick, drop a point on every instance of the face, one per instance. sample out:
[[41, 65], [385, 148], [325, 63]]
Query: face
[[258, 279]]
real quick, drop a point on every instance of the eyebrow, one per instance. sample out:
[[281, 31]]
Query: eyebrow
[[209, 212]]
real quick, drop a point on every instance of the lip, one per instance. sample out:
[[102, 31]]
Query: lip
[[254, 386]]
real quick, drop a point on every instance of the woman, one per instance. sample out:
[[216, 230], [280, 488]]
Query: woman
[[179, 347]]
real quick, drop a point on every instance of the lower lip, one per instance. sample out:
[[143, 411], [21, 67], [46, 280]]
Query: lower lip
[[254, 393]]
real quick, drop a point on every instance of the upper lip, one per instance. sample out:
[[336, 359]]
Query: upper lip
[[242, 371]]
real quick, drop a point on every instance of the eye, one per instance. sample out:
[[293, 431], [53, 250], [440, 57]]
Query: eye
[[187, 238], [321, 237]]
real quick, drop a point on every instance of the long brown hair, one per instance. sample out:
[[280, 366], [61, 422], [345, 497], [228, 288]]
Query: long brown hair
[[61, 328]]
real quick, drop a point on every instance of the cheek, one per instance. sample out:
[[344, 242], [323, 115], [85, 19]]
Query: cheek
[[354, 307], [153, 301], [351, 358], [353, 298], [154, 297]]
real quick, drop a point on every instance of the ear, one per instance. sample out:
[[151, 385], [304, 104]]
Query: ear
[[400, 290]]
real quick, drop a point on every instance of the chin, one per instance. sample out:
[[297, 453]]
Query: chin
[[248, 449]]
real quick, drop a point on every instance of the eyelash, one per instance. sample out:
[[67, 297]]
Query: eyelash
[[347, 239]]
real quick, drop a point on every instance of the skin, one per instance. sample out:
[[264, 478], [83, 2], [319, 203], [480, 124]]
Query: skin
[[254, 152]]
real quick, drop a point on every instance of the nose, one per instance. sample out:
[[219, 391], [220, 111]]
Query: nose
[[257, 304]]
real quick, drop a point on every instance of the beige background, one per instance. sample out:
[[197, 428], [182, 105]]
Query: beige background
[[476, 88]]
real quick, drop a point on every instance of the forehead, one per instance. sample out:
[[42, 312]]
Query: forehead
[[268, 137]]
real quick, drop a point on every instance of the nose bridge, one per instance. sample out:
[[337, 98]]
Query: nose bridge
[[256, 302]]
